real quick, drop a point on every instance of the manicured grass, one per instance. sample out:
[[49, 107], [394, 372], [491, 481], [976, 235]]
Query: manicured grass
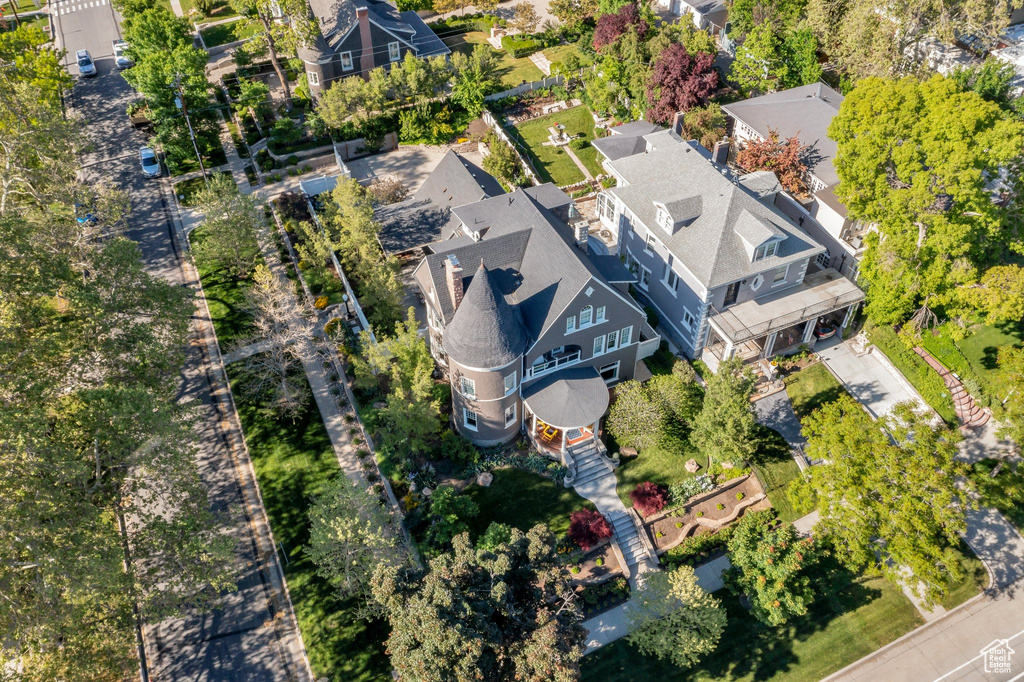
[[811, 387], [21, 6], [976, 356], [39, 21], [523, 499], [512, 71], [856, 617], [660, 465], [776, 469], [219, 34], [186, 189], [926, 380], [558, 53], [294, 460], [221, 10], [975, 579], [553, 164], [1005, 492], [225, 297]]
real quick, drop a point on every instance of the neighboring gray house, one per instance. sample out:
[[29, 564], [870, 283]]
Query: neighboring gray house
[[625, 140], [357, 36], [530, 328], [807, 112], [729, 273], [427, 215], [710, 15]]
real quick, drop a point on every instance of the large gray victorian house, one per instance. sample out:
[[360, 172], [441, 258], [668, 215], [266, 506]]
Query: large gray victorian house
[[357, 36], [532, 329]]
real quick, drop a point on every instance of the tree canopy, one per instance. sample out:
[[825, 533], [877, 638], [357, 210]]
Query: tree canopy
[[725, 429], [679, 81]]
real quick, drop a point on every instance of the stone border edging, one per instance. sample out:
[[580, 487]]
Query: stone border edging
[[717, 524]]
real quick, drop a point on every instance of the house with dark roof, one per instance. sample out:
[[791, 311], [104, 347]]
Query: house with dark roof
[[729, 273], [530, 329], [807, 111], [357, 36], [427, 215], [625, 140]]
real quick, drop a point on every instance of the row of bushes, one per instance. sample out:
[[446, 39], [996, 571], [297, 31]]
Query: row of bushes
[[694, 551], [926, 380], [520, 47], [598, 598], [467, 23]]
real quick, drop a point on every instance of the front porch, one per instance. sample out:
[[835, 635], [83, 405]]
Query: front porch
[[782, 323], [564, 409]]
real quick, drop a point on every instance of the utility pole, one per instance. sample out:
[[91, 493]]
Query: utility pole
[[179, 102], [14, 9]]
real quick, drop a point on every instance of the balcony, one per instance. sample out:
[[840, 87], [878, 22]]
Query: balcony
[[550, 362]]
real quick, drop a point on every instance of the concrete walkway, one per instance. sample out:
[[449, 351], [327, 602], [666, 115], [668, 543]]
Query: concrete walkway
[[614, 623], [245, 351], [870, 377], [776, 411]]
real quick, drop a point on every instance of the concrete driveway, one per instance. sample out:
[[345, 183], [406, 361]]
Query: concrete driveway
[[870, 378], [411, 164]]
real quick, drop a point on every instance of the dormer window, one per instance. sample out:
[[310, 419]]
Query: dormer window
[[664, 219], [766, 250]]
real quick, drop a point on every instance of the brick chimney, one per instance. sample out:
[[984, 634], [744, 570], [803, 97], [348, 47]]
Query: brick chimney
[[366, 62], [453, 275], [677, 123]]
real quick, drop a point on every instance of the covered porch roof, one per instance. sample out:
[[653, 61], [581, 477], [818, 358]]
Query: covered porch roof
[[820, 293], [569, 398]]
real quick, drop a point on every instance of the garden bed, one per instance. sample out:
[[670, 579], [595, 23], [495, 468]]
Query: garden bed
[[553, 164], [667, 530], [596, 566], [599, 598]]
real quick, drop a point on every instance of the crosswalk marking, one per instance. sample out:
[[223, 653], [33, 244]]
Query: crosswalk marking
[[69, 7]]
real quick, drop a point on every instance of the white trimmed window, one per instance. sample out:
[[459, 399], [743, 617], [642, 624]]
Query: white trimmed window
[[394, 54], [346, 61], [688, 319], [570, 324], [586, 316], [468, 387], [469, 419], [626, 336], [664, 219], [612, 341], [651, 243], [600, 314], [645, 278], [780, 275], [598, 345], [766, 250], [610, 372], [606, 207], [510, 415], [510, 383], [313, 77], [671, 280]]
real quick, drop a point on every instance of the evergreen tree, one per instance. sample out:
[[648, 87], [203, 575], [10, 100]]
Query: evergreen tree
[[726, 429]]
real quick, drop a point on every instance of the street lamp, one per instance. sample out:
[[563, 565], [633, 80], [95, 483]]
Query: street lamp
[[348, 311]]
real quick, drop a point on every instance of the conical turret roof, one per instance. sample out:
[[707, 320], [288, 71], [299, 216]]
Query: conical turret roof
[[485, 332]]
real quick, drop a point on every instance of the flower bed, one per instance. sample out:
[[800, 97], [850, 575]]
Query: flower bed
[[596, 599], [712, 510], [596, 566]]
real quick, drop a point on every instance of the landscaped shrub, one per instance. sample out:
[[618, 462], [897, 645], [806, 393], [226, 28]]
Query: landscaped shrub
[[516, 47], [652, 316], [458, 449], [681, 492], [926, 380], [691, 549], [588, 527], [719, 506], [649, 498], [740, 496], [579, 143], [598, 597], [292, 160]]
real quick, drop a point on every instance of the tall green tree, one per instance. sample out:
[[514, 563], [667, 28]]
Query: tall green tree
[[783, 15], [231, 221], [759, 66], [572, 13], [508, 614], [726, 429], [914, 158], [671, 616], [772, 567], [888, 492], [278, 36], [476, 76]]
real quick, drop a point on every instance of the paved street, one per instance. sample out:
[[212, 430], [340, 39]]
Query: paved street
[[253, 636]]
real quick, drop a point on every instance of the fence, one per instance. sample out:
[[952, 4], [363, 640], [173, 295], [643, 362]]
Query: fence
[[526, 87], [489, 119]]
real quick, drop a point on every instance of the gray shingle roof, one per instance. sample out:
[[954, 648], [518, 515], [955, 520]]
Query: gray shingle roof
[[626, 139], [635, 129], [425, 41], [423, 217], [711, 246], [805, 111], [612, 269], [336, 18], [569, 398], [528, 253], [485, 332]]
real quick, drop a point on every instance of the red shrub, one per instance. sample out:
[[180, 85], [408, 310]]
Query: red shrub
[[649, 498], [610, 27], [588, 527]]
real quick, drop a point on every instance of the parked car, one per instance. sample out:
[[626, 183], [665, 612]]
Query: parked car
[[119, 54], [86, 67], [150, 163]]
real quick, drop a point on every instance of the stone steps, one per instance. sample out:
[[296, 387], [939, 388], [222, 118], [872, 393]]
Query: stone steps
[[628, 537], [967, 411], [590, 465]]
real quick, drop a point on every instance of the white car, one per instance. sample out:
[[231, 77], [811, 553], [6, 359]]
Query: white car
[[150, 164], [86, 67], [119, 54]]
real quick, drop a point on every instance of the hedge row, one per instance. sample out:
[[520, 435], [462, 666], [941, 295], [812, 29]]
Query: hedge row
[[926, 380], [467, 23], [516, 47]]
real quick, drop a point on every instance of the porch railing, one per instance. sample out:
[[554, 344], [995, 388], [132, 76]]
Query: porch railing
[[738, 331], [549, 366], [649, 341]]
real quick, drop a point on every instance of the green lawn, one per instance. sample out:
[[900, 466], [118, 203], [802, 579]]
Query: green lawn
[[1005, 492], [776, 469], [39, 21], [660, 465], [225, 296], [975, 579], [553, 164], [856, 617], [221, 10], [293, 460], [976, 355], [523, 499], [21, 6], [219, 34], [186, 189], [512, 71], [811, 387]]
